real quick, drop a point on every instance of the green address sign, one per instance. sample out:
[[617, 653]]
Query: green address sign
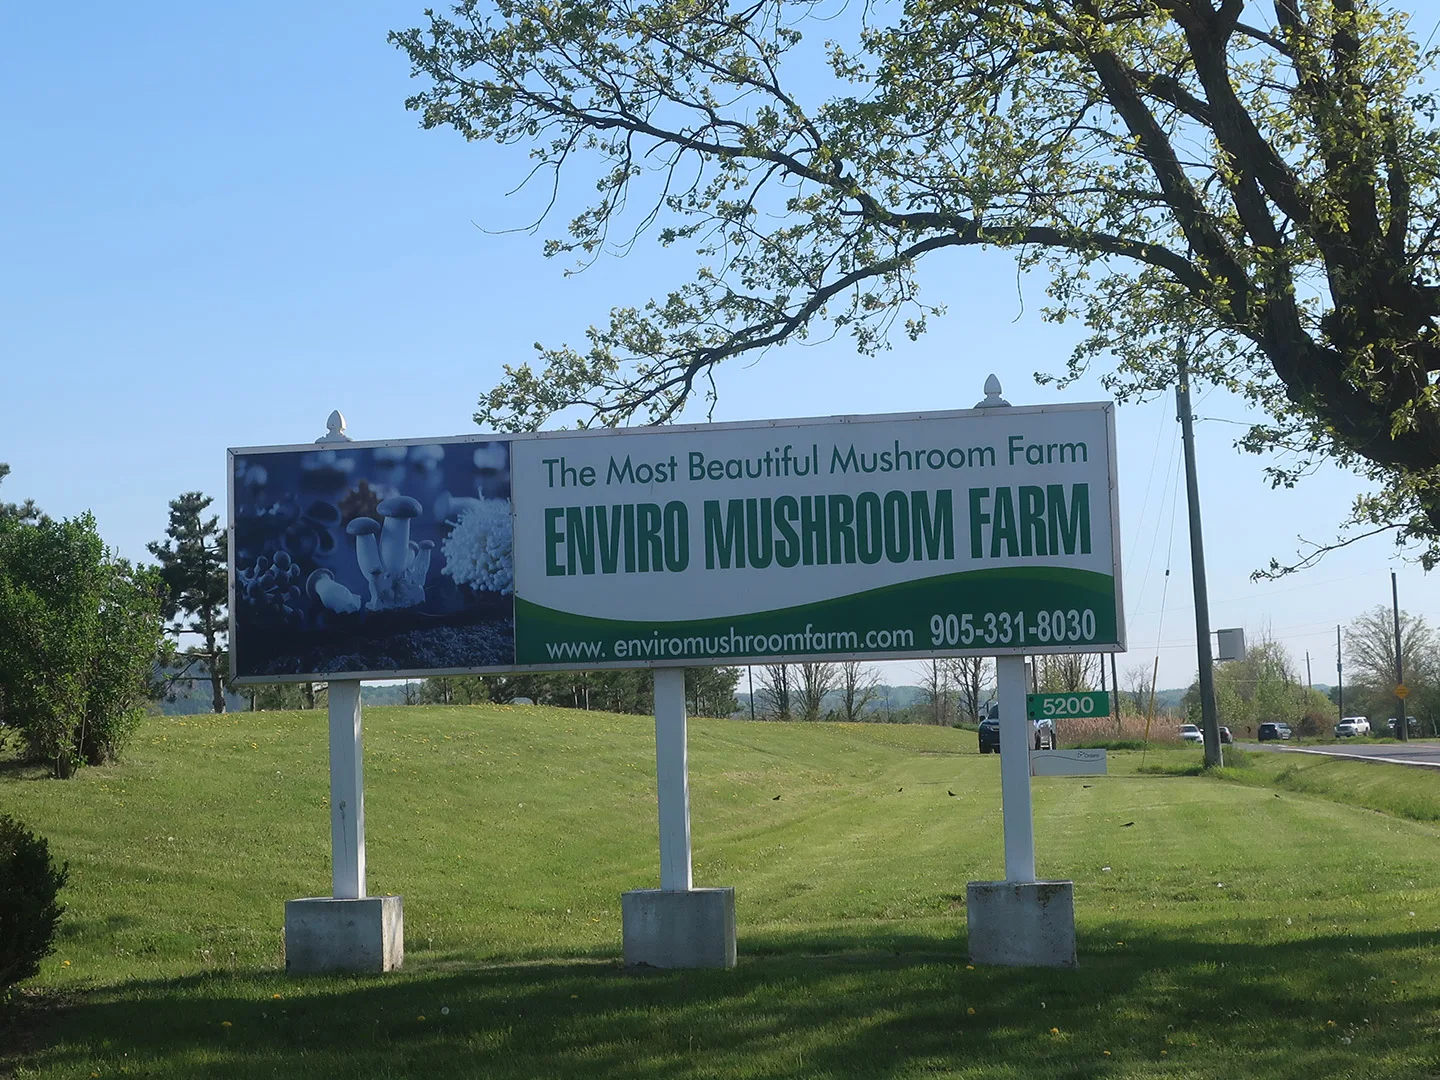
[[1086, 703]]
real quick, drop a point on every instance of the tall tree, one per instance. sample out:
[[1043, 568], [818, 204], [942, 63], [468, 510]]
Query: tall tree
[[814, 680], [935, 689], [1064, 673], [1370, 667], [859, 687], [1370, 647], [971, 676], [1139, 687], [775, 695], [193, 568], [1254, 185]]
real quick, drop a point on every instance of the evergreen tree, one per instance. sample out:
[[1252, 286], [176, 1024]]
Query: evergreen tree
[[192, 566], [26, 511], [711, 690]]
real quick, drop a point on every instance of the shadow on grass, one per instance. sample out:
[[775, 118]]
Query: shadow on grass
[[869, 1007], [13, 768]]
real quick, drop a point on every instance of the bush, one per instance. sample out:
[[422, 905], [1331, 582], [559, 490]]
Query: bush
[[29, 913], [82, 629], [1314, 724]]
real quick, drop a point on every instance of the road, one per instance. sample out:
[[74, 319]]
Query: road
[[1424, 752]]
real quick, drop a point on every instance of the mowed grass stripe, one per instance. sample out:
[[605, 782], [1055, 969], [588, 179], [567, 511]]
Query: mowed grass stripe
[[1234, 933]]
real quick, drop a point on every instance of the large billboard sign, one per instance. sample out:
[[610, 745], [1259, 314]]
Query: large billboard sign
[[875, 537]]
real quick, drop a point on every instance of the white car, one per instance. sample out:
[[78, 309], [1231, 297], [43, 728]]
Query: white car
[[1191, 733], [1351, 726]]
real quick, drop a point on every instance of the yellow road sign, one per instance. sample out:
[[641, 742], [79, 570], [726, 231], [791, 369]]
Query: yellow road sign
[[1402, 691]]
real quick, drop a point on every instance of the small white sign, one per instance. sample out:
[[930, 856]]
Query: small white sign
[[1067, 763]]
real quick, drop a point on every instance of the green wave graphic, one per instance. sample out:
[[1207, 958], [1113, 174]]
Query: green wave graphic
[[906, 607]]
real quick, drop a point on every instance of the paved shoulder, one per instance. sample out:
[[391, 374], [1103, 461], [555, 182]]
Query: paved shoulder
[[1425, 753]]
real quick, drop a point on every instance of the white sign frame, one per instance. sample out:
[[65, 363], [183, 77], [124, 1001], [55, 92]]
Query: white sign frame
[[923, 650]]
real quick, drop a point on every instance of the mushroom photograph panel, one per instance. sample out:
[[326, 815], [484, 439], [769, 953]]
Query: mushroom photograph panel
[[376, 559]]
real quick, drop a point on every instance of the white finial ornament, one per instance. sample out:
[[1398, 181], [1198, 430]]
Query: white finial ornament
[[334, 428], [992, 395]]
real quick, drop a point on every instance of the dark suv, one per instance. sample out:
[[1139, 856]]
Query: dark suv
[[1411, 725], [1272, 731], [1042, 733]]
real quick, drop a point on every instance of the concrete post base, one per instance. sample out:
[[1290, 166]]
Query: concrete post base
[[323, 934], [1021, 923], [692, 929]]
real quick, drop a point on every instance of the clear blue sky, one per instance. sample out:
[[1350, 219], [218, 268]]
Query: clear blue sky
[[220, 223]]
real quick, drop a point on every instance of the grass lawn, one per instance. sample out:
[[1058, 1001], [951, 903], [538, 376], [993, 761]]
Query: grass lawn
[[1407, 792], [1226, 929]]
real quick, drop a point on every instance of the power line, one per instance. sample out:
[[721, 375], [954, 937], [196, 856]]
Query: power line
[[1278, 592]]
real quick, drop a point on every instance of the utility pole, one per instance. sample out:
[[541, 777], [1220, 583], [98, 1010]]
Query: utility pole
[[1309, 679], [1114, 698], [1402, 726], [750, 670], [1339, 676], [1210, 720]]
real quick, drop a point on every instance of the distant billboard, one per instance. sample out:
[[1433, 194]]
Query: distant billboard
[[876, 537]]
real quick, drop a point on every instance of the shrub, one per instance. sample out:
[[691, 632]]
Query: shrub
[[1314, 724], [82, 629], [29, 913]]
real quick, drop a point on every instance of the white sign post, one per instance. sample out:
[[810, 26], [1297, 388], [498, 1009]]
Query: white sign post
[[1015, 769], [672, 779], [676, 925], [347, 792]]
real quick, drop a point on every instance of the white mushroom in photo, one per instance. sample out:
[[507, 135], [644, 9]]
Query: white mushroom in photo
[[398, 510], [367, 552], [336, 597], [420, 568]]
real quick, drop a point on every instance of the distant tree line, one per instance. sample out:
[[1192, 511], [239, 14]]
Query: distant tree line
[[708, 691], [951, 691]]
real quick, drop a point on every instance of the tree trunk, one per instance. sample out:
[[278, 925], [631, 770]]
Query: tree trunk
[[217, 683]]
